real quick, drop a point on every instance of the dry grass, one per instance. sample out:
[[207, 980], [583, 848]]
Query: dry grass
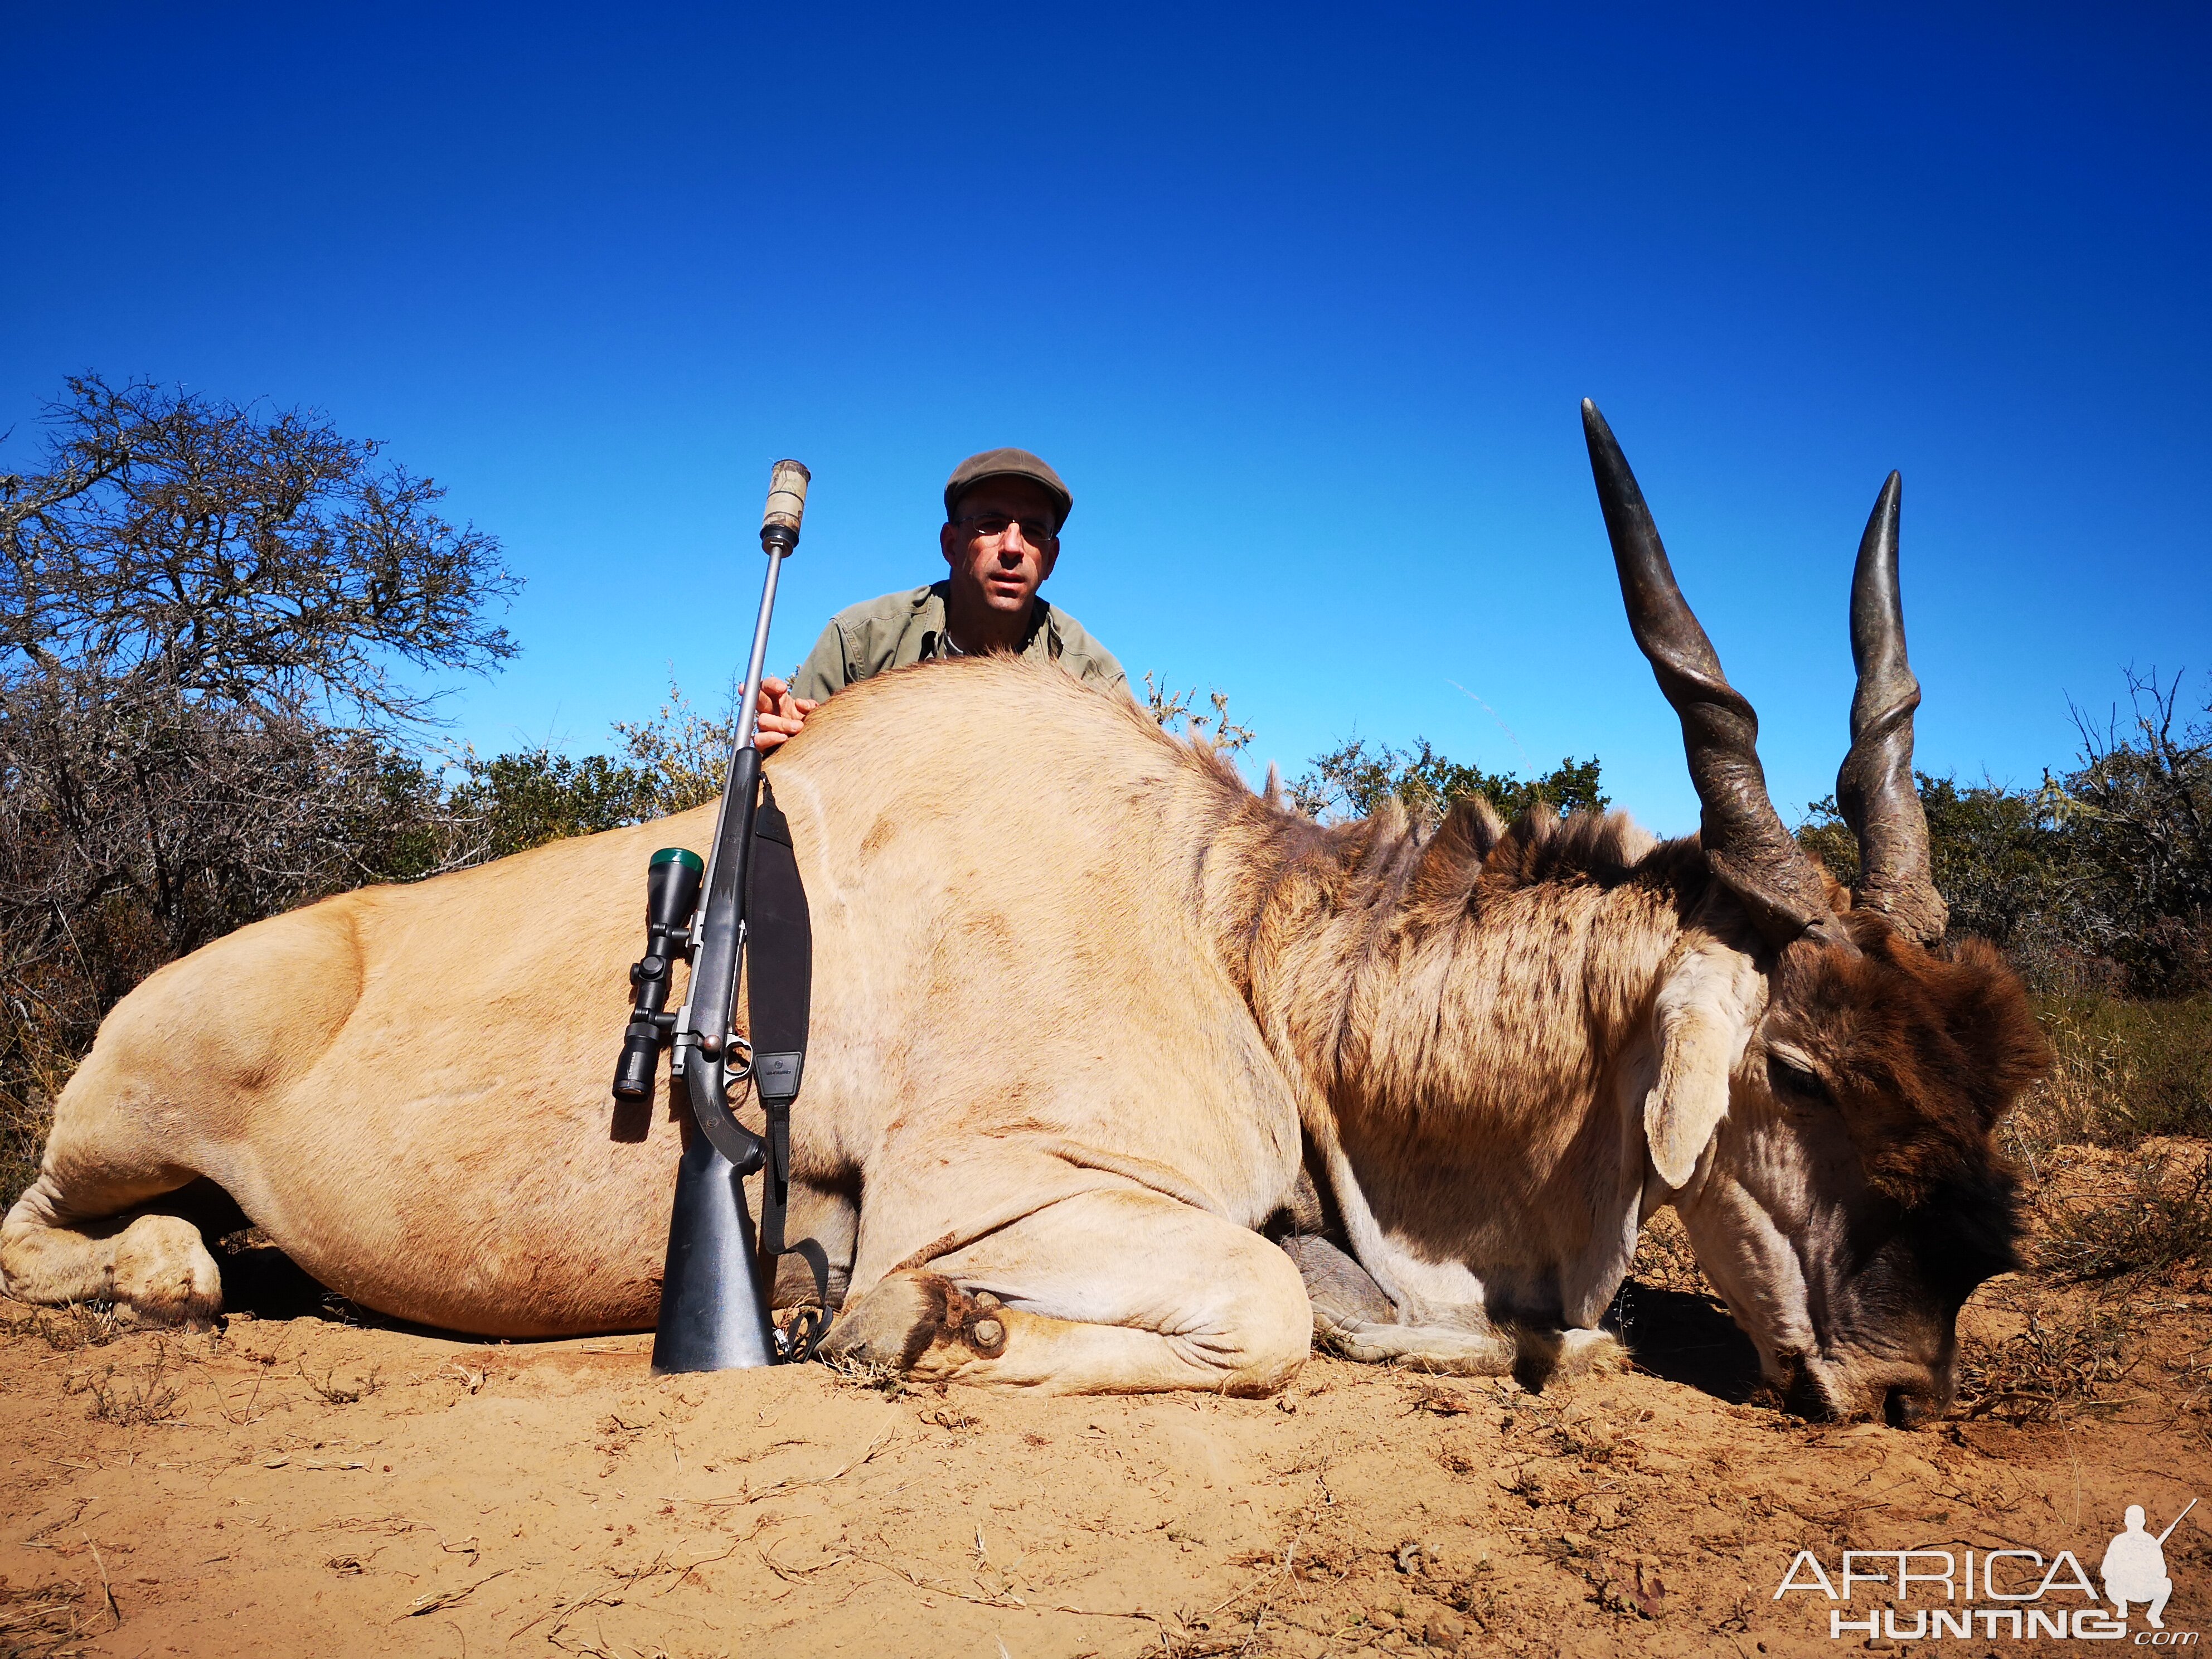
[[73, 1326], [2192, 1380], [130, 1397], [41, 1622], [24, 1120], [2065, 1358], [2125, 1070], [334, 1393], [2145, 1216], [876, 1376]]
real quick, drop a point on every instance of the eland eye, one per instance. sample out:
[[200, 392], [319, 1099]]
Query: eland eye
[[1794, 1084]]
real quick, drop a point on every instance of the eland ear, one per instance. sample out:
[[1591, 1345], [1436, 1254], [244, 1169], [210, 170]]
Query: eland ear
[[1702, 1015]]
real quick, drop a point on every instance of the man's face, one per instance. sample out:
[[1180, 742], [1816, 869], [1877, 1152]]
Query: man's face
[[1001, 546]]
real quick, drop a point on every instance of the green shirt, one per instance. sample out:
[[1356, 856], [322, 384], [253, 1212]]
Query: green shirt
[[865, 639]]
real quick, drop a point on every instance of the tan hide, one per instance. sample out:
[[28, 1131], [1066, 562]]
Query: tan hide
[[408, 1086]]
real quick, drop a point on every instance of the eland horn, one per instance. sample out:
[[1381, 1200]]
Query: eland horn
[[1746, 846], [1875, 790]]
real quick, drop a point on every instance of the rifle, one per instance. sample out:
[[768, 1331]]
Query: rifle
[[715, 1287], [2176, 1522]]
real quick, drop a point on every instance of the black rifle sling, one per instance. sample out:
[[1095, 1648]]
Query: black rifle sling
[[779, 985]]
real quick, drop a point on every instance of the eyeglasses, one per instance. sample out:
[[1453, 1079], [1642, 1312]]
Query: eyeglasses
[[992, 526]]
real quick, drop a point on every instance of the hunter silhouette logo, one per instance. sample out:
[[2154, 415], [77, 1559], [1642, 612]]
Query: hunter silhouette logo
[[2134, 1569], [1989, 1594]]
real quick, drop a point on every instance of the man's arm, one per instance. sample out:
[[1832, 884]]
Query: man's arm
[[828, 668], [1107, 674], [1094, 665]]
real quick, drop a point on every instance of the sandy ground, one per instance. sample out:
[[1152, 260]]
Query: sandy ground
[[308, 1486]]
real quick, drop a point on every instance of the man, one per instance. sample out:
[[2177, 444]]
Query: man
[[1002, 513], [2134, 1569]]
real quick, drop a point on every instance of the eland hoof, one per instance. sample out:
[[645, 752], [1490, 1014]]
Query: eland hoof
[[916, 1315]]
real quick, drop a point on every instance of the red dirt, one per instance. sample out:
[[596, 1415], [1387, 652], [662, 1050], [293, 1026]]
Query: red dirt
[[529, 1497]]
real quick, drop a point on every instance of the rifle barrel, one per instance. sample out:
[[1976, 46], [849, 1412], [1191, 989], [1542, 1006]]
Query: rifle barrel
[[2177, 1521]]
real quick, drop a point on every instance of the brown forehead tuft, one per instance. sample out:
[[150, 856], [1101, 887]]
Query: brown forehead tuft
[[1924, 1050]]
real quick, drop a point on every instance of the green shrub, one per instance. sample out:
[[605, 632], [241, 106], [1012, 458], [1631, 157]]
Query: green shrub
[[2097, 879], [1354, 780]]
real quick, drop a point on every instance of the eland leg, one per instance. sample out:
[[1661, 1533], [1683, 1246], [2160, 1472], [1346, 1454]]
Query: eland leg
[[1119, 1291], [171, 1078], [78, 1233], [1352, 1316], [151, 1266]]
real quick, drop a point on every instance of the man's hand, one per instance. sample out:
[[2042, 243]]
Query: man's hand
[[782, 715]]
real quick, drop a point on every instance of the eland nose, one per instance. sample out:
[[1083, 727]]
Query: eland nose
[[1802, 1394], [1914, 1406]]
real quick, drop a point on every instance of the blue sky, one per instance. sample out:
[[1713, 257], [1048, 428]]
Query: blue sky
[[1300, 300]]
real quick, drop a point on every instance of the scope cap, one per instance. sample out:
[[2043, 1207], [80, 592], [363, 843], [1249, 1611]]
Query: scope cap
[[683, 855]]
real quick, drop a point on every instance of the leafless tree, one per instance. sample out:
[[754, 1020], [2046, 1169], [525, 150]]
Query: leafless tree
[[258, 559], [217, 626]]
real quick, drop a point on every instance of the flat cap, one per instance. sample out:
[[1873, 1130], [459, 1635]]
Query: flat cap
[[1005, 464]]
